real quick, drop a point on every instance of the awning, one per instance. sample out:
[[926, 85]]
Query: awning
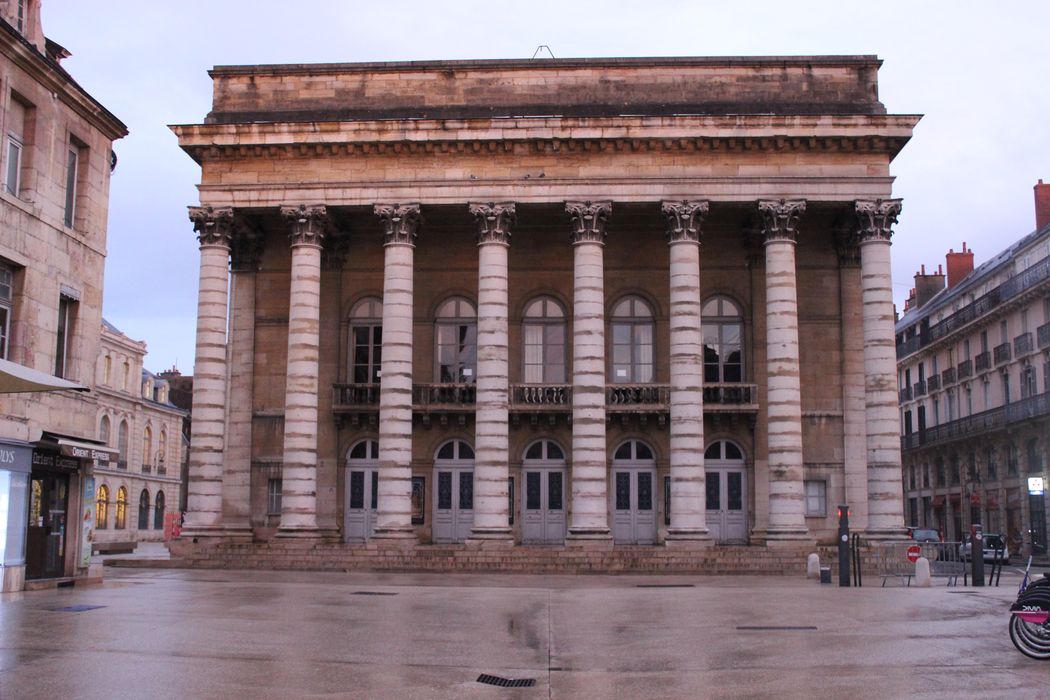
[[78, 448], [16, 378]]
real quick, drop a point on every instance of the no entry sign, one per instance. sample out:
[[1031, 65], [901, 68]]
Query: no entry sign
[[913, 553]]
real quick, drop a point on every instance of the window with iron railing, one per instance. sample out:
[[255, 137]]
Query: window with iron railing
[[1001, 353]]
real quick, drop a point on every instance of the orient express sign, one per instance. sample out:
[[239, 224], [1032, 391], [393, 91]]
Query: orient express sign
[[80, 452]]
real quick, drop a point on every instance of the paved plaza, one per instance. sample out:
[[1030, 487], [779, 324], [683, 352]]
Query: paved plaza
[[169, 633]]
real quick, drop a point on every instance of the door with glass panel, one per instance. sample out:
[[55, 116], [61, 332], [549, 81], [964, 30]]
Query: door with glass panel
[[634, 494], [543, 497], [726, 483], [361, 491], [453, 492]]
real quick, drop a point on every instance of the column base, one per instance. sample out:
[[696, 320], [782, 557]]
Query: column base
[[689, 538], [789, 537]]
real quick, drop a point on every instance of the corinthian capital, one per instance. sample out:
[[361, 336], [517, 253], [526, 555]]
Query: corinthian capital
[[214, 225], [307, 223], [875, 219], [494, 221], [400, 222], [684, 219], [780, 218], [588, 220]]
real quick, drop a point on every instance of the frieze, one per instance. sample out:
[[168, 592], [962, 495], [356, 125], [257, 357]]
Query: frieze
[[588, 220], [400, 222], [875, 218], [494, 221], [684, 219], [780, 218], [307, 223], [214, 225]]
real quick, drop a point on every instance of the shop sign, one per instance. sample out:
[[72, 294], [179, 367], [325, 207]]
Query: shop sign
[[43, 459], [15, 458], [1035, 486]]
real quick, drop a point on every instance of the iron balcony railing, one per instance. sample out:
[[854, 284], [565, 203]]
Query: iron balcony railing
[[541, 396], [919, 389], [934, 382], [147, 468], [1026, 409], [964, 369], [1001, 353], [355, 395], [635, 396], [905, 394], [983, 361], [122, 464], [948, 376], [1018, 284], [731, 396], [431, 396], [1023, 344], [1043, 335]]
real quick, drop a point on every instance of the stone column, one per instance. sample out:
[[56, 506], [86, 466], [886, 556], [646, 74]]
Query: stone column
[[783, 393], [204, 490], [400, 227], [875, 220], [246, 249], [590, 503], [688, 504], [492, 438], [299, 470], [853, 411]]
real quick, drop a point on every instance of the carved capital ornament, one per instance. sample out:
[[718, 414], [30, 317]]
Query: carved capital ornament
[[780, 218], [400, 222], [494, 221], [307, 223], [588, 220], [875, 218], [214, 225], [684, 219]]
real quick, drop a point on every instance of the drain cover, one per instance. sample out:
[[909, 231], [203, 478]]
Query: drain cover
[[506, 682], [77, 608], [775, 629], [372, 593]]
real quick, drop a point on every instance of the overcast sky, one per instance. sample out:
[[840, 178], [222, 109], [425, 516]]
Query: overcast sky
[[978, 71]]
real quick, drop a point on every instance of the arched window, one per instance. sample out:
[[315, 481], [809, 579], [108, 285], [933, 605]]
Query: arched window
[[366, 341], [158, 512], [102, 507], [455, 449], [147, 448], [632, 341], [364, 449], [544, 450], [723, 450], [107, 373], [633, 450], [162, 450], [122, 445], [723, 328], [127, 376], [122, 509], [144, 510], [543, 336], [456, 346], [103, 429]]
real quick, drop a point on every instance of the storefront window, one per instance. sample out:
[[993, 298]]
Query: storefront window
[[13, 487]]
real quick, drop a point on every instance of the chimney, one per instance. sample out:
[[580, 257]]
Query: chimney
[[1042, 205], [927, 285], [959, 265]]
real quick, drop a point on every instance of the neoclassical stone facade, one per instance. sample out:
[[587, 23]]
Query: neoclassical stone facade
[[565, 302]]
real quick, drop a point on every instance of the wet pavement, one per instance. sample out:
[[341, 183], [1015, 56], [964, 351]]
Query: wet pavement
[[166, 633]]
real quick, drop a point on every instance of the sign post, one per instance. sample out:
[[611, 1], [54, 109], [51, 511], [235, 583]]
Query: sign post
[[844, 546]]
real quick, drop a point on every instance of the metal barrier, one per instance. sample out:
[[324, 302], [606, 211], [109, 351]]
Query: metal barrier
[[893, 561]]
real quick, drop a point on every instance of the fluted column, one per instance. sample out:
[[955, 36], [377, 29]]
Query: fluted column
[[590, 519], [299, 471], [492, 438], [204, 490], [688, 505], [400, 226], [783, 391], [854, 430], [246, 248], [875, 220]]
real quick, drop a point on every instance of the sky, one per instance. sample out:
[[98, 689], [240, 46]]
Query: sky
[[977, 71]]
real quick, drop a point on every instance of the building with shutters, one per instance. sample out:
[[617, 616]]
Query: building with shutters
[[592, 302]]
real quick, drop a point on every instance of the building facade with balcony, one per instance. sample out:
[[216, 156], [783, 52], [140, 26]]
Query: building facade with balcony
[[626, 301], [136, 417], [974, 380], [55, 165]]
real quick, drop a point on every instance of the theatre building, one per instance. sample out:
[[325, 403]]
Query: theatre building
[[593, 302]]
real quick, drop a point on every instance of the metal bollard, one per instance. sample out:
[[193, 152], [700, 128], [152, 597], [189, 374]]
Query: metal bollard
[[844, 554], [976, 555]]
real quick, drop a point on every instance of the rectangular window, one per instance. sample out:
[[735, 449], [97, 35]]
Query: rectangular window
[[17, 114], [66, 319], [816, 498], [273, 496], [7, 286], [72, 163]]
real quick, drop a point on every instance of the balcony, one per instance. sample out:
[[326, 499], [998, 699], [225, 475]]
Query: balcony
[[1023, 344], [147, 468], [934, 382], [122, 464], [1043, 335], [444, 397], [964, 370], [1037, 406], [730, 398], [355, 396], [919, 388], [983, 361], [161, 469], [540, 397], [948, 376], [905, 394], [1001, 353], [637, 397]]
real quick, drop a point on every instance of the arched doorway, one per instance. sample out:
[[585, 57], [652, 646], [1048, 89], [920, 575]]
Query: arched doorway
[[726, 481], [543, 495], [453, 492], [633, 496], [361, 490]]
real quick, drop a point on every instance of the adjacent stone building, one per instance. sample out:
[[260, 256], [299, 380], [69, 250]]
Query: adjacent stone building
[[136, 417], [591, 302], [974, 380], [55, 165]]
